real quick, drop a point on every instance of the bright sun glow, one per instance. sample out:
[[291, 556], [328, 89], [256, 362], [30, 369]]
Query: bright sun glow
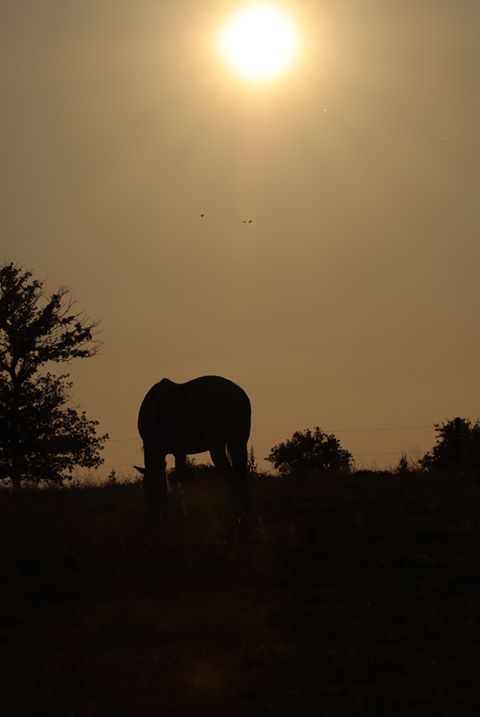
[[259, 41]]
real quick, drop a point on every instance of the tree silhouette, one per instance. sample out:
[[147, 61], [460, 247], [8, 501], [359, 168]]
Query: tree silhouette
[[308, 452], [457, 449], [41, 437]]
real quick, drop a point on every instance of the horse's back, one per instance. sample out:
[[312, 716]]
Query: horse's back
[[195, 414]]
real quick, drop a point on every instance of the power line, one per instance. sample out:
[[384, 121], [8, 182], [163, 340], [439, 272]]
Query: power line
[[121, 440], [381, 453], [383, 428], [334, 430]]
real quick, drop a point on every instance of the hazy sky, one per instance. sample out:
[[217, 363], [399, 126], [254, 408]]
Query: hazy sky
[[351, 301]]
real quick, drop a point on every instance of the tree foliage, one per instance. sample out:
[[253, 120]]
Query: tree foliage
[[457, 449], [311, 452], [41, 437]]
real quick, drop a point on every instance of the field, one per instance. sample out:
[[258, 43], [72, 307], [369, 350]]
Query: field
[[355, 596]]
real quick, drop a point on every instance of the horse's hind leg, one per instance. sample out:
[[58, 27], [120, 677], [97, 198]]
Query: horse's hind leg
[[223, 466], [235, 472], [239, 458]]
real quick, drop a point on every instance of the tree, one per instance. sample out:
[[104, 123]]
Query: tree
[[41, 437], [308, 452], [457, 449]]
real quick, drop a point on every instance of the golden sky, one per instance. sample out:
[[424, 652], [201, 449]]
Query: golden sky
[[350, 301]]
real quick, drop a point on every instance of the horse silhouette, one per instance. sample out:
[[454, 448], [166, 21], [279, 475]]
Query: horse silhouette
[[209, 413]]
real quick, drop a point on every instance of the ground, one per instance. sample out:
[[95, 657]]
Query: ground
[[355, 596]]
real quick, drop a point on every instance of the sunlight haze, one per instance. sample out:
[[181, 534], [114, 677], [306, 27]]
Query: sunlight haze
[[314, 238]]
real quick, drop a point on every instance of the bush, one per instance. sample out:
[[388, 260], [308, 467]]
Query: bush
[[457, 449], [311, 452]]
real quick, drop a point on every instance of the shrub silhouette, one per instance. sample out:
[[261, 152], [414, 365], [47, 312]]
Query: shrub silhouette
[[404, 465], [311, 452], [41, 437], [457, 449]]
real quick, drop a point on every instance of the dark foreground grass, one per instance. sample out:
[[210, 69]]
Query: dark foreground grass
[[355, 596]]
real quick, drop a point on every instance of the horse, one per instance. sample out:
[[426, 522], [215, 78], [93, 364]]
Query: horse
[[209, 413]]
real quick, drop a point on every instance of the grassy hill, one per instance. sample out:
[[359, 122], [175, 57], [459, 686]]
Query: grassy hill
[[355, 596]]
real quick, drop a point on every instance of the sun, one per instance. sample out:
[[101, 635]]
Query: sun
[[259, 42]]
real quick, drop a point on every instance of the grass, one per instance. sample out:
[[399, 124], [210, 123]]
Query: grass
[[355, 596]]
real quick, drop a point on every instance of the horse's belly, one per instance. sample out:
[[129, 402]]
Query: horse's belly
[[189, 442], [196, 449]]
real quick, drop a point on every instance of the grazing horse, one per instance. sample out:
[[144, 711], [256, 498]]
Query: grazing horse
[[209, 413]]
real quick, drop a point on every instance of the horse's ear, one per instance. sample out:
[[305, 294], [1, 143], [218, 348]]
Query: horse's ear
[[140, 470]]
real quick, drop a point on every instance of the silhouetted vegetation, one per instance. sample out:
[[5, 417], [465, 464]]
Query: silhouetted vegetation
[[457, 449], [311, 452], [405, 465], [41, 437]]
